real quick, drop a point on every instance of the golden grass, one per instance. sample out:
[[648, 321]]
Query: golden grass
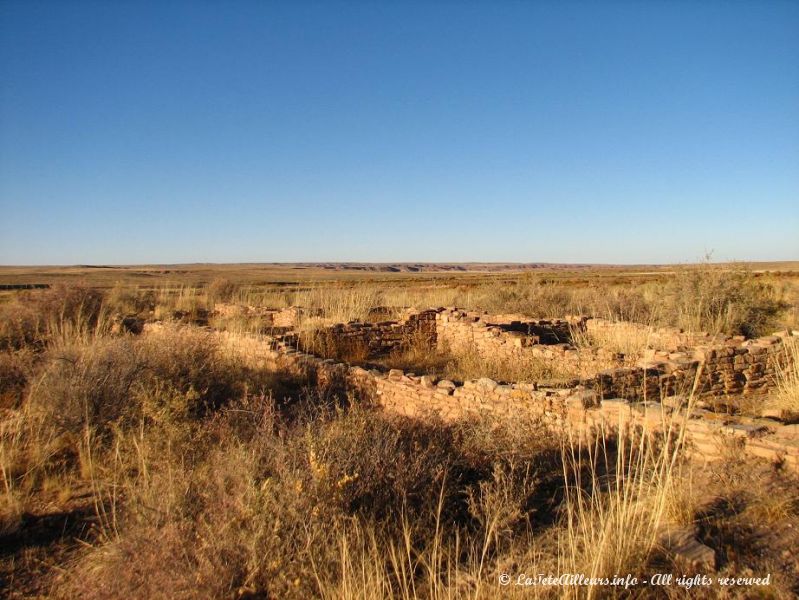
[[206, 480], [628, 338], [785, 397], [471, 364]]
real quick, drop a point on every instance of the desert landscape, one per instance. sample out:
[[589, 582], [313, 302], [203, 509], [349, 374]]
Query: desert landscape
[[402, 300], [359, 432]]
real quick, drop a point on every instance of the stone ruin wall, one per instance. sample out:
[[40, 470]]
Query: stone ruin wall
[[578, 408], [717, 365], [720, 365], [507, 339], [609, 398], [270, 317], [377, 339]]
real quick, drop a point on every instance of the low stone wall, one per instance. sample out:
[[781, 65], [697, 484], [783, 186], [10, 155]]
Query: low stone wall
[[543, 341], [274, 317], [459, 330], [579, 408], [735, 367], [678, 362], [721, 367], [668, 339], [369, 340]]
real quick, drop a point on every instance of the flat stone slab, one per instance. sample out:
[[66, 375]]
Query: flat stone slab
[[680, 544]]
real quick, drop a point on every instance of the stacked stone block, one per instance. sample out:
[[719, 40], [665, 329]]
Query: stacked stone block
[[610, 398]]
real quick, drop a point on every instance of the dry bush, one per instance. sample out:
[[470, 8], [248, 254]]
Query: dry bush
[[35, 317], [356, 468], [15, 369], [96, 385], [718, 299], [336, 304], [91, 390], [86, 385], [20, 326], [184, 302], [264, 508], [130, 300], [222, 290], [529, 296], [329, 344], [417, 352], [191, 360]]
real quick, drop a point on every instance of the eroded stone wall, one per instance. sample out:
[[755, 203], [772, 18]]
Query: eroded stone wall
[[719, 367], [578, 408], [370, 340]]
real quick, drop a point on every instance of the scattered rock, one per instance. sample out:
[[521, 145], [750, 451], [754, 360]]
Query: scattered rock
[[680, 545]]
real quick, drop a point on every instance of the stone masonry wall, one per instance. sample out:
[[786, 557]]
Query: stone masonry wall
[[547, 341], [731, 367], [716, 365], [374, 339], [668, 339], [578, 408]]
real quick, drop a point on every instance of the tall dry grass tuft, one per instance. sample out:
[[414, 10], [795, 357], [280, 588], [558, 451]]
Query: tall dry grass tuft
[[621, 489], [471, 364], [222, 289], [629, 339], [190, 301], [785, 398], [329, 305], [85, 390], [130, 300], [35, 318], [417, 352]]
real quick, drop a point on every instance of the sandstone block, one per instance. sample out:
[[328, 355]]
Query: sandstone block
[[427, 381], [486, 384], [681, 545]]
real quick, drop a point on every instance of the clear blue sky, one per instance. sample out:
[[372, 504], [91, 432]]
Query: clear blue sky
[[497, 131]]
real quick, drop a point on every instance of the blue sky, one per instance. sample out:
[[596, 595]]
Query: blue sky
[[500, 131]]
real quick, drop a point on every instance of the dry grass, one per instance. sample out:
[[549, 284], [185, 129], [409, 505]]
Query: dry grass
[[617, 531], [201, 479], [722, 300], [785, 398], [470, 364], [627, 338], [242, 501], [417, 353]]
